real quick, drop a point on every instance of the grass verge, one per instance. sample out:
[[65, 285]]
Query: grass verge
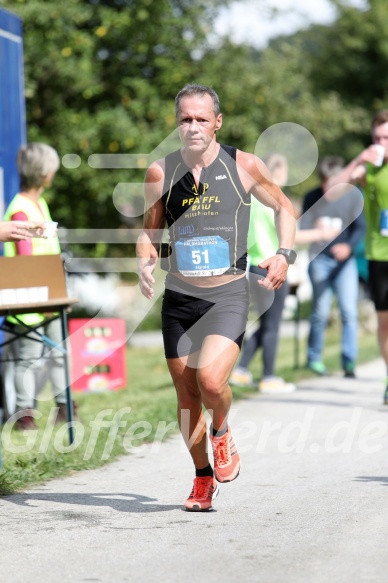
[[111, 424]]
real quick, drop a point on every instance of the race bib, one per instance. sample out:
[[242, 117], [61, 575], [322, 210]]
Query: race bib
[[202, 256], [384, 222]]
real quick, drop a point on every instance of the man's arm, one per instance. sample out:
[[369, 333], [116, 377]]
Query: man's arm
[[353, 173], [256, 179], [319, 234], [154, 220]]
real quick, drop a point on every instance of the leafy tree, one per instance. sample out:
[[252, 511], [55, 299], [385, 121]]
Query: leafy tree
[[101, 76], [353, 55], [349, 59], [263, 88]]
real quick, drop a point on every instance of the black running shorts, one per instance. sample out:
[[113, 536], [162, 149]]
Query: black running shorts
[[189, 314], [378, 284]]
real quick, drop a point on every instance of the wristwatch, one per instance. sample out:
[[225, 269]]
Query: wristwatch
[[289, 254]]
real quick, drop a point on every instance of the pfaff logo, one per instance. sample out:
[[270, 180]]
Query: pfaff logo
[[221, 177]]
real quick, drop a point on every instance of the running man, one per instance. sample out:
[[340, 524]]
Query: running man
[[370, 170], [202, 194]]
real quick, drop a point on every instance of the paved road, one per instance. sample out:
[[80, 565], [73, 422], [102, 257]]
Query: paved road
[[310, 505]]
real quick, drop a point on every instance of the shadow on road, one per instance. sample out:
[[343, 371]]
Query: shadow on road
[[127, 502], [382, 479]]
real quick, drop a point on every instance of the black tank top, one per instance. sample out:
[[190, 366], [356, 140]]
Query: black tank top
[[219, 208]]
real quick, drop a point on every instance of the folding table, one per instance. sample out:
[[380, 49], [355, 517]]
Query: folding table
[[23, 277]]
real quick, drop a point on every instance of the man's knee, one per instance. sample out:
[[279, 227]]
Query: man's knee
[[211, 384], [320, 316], [382, 318], [349, 316]]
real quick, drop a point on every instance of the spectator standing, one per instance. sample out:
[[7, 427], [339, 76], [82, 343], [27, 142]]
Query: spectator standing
[[333, 269], [37, 165], [269, 304]]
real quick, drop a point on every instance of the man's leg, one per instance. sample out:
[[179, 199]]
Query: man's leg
[[192, 424], [202, 378], [378, 285], [382, 333], [319, 272], [270, 324], [191, 417], [263, 301], [346, 290], [217, 358]]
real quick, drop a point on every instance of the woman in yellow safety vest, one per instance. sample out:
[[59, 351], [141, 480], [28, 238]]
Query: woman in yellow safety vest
[[37, 165]]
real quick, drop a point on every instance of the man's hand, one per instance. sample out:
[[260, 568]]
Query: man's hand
[[358, 174], [146, 279], [370, 154], [329, 233], [341, 251], [277, 268]]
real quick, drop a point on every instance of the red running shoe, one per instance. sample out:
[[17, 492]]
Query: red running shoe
[[227, 462], [204, 491]]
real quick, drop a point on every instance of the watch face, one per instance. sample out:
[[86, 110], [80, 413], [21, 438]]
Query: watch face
[[292, 256], [288, 253]]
